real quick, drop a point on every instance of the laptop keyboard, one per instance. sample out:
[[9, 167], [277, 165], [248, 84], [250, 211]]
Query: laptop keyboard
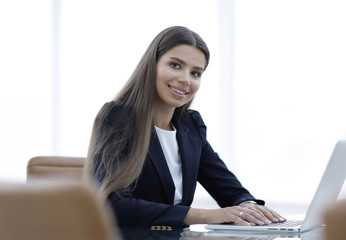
[[288, 223]]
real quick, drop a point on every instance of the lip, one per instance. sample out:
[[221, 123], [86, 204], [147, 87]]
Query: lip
[[178, 92]]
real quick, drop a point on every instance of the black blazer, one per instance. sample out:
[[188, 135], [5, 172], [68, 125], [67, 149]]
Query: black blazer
[[151, 201]]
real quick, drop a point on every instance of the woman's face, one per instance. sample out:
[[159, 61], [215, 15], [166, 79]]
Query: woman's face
[[178, 75]]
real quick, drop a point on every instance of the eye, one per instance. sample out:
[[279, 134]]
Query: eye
[[196, 74], [174, 65]]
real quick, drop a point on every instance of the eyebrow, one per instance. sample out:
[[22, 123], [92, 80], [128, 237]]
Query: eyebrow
[[184, 63]]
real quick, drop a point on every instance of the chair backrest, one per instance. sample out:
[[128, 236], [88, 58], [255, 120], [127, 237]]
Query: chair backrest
[[55, 167], [54, 210], [335, 219]]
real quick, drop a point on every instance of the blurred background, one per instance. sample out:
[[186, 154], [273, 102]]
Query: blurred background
[[273, 96]]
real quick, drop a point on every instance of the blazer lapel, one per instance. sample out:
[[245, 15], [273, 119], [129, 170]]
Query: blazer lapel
[[188, 148], [157, 157]]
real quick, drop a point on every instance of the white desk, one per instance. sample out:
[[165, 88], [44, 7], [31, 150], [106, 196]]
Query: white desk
[[199, 232]]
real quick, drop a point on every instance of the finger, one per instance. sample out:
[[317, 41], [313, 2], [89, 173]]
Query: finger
[[270, 214], [236, 215], [266, 213], [241, 221], [261, 213], [258, 211], [278, 216], [253, 217]]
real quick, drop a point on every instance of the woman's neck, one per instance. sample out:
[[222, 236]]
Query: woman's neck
[[162, 119]]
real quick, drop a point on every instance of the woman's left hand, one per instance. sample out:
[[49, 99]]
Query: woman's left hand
[[263, 211]]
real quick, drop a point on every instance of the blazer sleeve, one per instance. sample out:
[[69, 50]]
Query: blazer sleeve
[[214, 175], [137, 212]]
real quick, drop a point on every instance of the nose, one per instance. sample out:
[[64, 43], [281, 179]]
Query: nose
[[184, 78]]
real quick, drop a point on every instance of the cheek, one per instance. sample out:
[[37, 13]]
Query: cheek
[[160, 79], [195, 86]]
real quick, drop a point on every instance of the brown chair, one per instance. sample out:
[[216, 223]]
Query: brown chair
[[55, 211], [335, 218], [55, 167]]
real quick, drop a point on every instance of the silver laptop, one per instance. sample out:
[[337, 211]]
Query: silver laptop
[[326, 194]]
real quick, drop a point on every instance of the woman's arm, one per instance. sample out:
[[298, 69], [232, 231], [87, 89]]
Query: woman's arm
[[226, 189], [131, 211]]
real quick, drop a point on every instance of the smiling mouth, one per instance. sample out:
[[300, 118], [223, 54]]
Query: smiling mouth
[[181, 92]]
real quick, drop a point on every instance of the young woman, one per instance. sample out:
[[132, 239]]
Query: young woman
[[148, 149]]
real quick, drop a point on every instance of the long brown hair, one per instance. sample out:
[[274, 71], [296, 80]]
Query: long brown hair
[[122, 146]]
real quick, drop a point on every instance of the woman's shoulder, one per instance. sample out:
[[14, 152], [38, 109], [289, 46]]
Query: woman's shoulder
[[112, 110], [112, 106], [195, 115], [191, 121], [192, 116]]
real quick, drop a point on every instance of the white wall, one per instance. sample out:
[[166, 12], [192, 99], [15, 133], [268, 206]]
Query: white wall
[[25, 84], [272, 97], [290, 80]]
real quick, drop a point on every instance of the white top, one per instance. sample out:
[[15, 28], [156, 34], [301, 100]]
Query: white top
[[170, 149]]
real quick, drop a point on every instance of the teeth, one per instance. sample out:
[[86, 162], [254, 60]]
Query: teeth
[[177, 91]]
